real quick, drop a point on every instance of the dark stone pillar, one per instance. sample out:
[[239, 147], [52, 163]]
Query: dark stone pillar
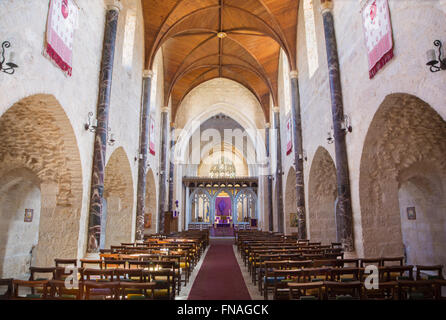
[[279, 187], [143, 155], [269, 179], [100, 140], [162, 170], [171, 166], [344, 214], [298, 155]]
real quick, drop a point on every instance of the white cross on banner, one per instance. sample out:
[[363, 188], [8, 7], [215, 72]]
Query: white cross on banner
[[377, 33], [62, 21]]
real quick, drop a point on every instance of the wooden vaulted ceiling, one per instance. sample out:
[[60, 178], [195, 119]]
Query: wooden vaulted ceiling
[[234, 39]]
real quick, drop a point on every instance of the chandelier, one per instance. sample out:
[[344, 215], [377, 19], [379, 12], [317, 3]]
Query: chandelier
[[223, 169]]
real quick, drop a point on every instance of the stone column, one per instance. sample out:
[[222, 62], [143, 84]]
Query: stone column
[[278, 174], [162, 170], [143, 154], [171, 166], [269, 191], [298, 155], [344, 214], [100, 141]]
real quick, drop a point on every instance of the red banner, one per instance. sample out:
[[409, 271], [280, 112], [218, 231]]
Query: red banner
[[377, 33], [62, 21], [152, 136], [289, 144]]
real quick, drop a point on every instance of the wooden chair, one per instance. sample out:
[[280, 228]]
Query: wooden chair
[[298, 291], [438, 270], [8, 283], [97, 275], [128, 275], [57, 290], [386, 291], [343, 290], [50, 274], [164, 280], [40, 286], [65, 262], [417, 290]]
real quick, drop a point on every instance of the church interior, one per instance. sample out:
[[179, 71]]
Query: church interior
[[149, 147]]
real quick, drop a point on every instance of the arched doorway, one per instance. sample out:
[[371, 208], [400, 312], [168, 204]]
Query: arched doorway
[[150, 221], [19, 191], [118, 193], [39, 157], [402, 182], [246, 207], [322, 197], [291, 217]]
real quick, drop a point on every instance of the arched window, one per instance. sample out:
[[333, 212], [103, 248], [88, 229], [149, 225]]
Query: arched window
[[129, 39], [310, 33], [200, 207], [246, 206]]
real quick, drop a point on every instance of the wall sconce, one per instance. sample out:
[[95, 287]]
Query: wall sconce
[[111, 141], [303, 156], [330, 138], [10, 66], [91, 124], [346, 125], [433, 61]]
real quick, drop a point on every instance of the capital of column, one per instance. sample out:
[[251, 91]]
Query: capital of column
[[267, 125], [326, 6], [294, 74], [276, 109], [114, 5], [165, 109], [172, 125], [147, 74]]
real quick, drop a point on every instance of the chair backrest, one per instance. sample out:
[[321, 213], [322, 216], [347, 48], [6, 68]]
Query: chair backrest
[[370, 261], [97, 274], [113, 264], [88, 262], [389, 261], [128, 275], [343, 290], [105, 290], [36, 273], [62, 262]]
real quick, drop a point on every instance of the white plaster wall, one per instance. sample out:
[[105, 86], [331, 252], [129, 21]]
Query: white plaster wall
[[25, 23], [416, 24]]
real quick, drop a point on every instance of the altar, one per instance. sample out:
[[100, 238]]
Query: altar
[[223, 225]]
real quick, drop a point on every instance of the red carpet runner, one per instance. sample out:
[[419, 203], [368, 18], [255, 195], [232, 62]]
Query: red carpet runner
[[219, 277]]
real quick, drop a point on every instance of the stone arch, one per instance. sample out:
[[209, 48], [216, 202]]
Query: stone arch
[[118, 193], [322, 197], [404, 150], [291, 202], [36, 134], [151, 203]]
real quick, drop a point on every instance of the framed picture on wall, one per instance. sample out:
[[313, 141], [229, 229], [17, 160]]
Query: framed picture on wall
[[29, 213], [148, 220], [411, 213]]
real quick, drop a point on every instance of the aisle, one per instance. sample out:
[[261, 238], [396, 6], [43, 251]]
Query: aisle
[[219, 277]]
